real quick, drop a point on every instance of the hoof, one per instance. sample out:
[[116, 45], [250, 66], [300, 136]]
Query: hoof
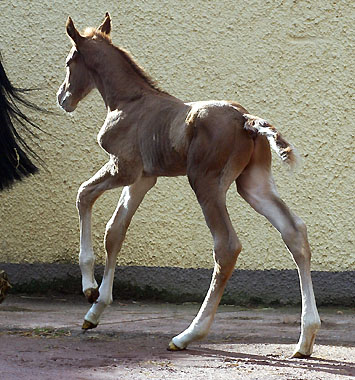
[[299, 355], [4, 285], [88, 325], [174, 347], [92, 294]]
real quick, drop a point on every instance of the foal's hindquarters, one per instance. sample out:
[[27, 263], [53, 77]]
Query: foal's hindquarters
[[249, 163]]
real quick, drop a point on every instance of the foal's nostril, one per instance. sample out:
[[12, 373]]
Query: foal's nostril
[[60, 96]]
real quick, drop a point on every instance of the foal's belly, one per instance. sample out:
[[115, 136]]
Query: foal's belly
[[163, 163]]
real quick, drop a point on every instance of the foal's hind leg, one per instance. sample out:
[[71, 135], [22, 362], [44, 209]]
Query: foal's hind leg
[[257, 187], [218, 153], [226, 250], [116, 228]]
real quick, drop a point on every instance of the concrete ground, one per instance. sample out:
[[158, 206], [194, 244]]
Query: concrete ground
[[41, 338]]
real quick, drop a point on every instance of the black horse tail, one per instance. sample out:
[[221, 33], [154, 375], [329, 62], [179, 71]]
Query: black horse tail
[[16, 155]]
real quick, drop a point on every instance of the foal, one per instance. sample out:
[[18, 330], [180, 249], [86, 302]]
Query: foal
[[149, 133]]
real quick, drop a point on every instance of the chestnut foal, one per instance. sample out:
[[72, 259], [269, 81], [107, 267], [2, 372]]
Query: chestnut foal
[[149, 133]]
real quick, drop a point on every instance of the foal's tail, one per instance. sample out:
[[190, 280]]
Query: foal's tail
[[283, 149]]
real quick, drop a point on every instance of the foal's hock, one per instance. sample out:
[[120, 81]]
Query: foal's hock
[[149, 133]]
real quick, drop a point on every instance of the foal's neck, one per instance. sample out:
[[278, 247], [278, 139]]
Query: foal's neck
[[117, 82]]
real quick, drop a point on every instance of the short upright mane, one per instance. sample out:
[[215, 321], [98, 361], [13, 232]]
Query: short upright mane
[[139, 70], [94, 33]]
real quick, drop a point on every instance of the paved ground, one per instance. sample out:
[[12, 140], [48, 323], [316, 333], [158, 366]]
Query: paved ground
[[41, 338]]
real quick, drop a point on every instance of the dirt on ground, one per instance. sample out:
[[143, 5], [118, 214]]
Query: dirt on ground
[[41, 338]]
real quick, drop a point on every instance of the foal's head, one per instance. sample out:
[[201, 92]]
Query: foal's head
[[79, 80]]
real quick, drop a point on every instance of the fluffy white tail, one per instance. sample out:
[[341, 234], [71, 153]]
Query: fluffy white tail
[[283, 149]]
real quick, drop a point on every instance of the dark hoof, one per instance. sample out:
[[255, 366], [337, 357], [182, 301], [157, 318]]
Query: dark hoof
[[299, 355], [92, 294], [88, 325], [4, 285]]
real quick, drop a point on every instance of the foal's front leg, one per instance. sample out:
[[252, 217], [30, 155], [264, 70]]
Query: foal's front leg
[[88, 192], [116, 229]]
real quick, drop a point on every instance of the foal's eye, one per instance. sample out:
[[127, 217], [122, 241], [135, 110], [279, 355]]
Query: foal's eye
[[72, 58]]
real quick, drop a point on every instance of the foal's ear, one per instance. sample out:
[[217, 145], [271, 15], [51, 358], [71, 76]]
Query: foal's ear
[[73, 33], [105, 27]]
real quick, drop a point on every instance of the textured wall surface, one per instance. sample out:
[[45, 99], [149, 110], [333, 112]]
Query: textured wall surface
[[290, 62]]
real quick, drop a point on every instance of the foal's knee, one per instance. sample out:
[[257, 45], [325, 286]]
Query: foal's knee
[[83, 200]]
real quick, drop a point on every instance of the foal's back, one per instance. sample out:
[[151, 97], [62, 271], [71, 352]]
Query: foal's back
[[171, 130]]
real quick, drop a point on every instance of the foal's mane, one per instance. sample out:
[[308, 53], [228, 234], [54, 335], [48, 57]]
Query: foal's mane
[[94, 33]]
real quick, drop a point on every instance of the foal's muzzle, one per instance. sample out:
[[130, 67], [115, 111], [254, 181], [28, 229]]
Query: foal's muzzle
[[64, 99]]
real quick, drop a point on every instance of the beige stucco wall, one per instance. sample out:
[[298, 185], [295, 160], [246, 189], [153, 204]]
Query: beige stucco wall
[[288, 61]]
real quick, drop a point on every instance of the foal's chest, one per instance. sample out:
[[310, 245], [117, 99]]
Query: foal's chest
[[116, 132]]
